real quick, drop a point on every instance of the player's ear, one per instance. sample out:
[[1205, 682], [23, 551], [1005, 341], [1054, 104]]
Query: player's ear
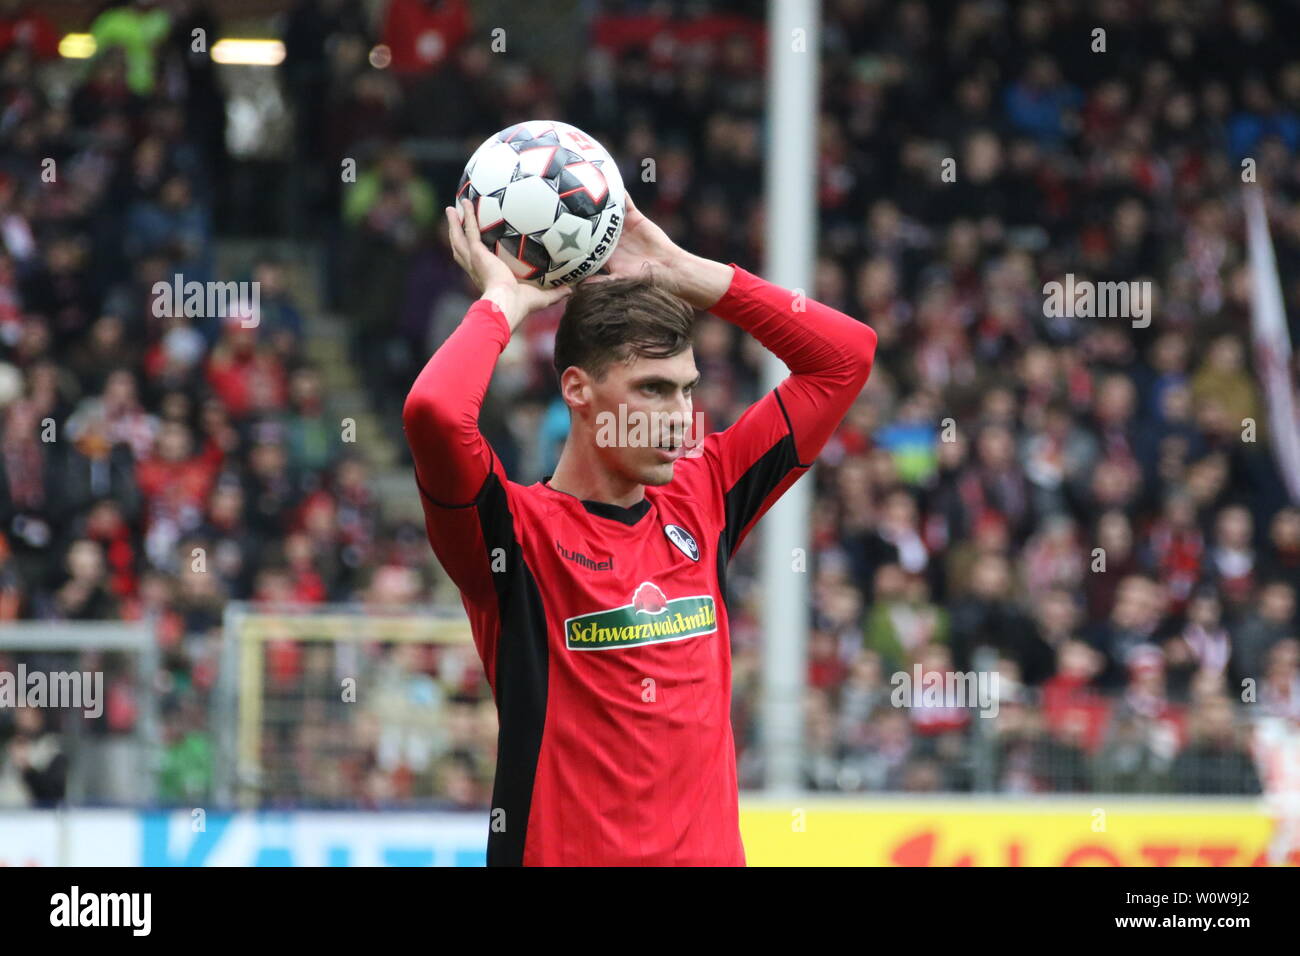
[[575, 387]]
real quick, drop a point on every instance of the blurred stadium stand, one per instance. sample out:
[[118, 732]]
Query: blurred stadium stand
[[1072, 434]]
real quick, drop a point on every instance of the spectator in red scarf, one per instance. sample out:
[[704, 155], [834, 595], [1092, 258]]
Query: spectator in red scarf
[[246, 377], [1177, 547], [305, 580], [275, 591], [175, 483], [1146, 697], [124, 419], [1232, 556], [107, 526], [826, 669]]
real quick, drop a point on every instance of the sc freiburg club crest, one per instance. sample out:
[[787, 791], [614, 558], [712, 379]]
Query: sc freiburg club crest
[[682, 538]]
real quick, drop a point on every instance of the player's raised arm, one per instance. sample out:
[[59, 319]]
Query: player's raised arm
[[452, 459], [778, 437], [829, 355]]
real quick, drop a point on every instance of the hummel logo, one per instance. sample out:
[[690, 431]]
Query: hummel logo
[[582, 559]]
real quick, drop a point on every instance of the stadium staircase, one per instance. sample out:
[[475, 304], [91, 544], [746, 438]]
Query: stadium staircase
[[326, 343]]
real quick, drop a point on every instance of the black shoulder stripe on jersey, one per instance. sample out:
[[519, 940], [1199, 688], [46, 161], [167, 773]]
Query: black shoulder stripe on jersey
[[789, 426], [744, 499], [522, 664], [724, 552]]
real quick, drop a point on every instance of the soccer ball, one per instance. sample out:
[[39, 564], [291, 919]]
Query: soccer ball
[[549, 201]]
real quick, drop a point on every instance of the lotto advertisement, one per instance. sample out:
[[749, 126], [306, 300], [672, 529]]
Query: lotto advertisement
[[912, 833]]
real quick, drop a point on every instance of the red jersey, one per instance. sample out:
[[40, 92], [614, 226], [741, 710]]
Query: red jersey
[[603, 629]]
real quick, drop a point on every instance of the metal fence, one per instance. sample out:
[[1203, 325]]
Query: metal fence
[[79, 714], [344, 706]]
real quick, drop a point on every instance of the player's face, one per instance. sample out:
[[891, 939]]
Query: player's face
[[647, 410]]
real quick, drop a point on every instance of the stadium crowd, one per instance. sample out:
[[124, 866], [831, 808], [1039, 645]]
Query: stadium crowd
[[1071, 502]]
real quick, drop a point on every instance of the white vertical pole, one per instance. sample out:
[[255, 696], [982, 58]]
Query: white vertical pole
[[794, 32]]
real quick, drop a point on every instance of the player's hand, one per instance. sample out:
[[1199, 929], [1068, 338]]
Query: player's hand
[[492, 277], [645, 250]]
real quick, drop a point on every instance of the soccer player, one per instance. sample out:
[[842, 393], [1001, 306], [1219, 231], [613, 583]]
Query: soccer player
[[596, 596]]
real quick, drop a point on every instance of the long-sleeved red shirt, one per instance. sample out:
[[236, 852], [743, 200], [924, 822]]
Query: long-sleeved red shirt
[[603, 629]]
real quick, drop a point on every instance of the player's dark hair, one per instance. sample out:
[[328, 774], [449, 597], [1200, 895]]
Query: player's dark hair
[[617, 320]]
